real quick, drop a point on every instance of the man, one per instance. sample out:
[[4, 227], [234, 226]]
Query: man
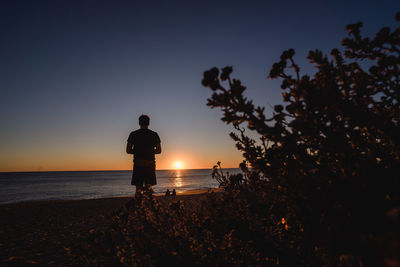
[[143, 144]]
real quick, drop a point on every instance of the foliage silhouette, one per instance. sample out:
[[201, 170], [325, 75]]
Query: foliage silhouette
[[332, 150], [147, 233]]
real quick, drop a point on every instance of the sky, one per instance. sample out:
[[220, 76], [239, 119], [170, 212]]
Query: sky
[[76, 75]]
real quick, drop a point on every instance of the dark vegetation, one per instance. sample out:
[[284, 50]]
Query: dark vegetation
[[320, 186]]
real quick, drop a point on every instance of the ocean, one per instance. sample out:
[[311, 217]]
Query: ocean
[[33, 186]]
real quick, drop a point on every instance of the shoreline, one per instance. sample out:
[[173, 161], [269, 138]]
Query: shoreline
[[189, 192]]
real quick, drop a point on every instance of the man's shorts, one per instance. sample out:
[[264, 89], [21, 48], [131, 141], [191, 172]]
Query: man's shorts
[[144, 173]]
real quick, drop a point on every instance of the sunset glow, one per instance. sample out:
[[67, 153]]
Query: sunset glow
[[178, 165]]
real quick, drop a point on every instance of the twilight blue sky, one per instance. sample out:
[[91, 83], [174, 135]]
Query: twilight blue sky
[[75, 75]]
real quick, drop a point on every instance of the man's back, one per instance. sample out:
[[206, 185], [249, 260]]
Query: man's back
[[144, 142]]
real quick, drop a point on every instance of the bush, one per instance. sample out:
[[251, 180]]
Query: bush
[[332, 151], [220, 230]]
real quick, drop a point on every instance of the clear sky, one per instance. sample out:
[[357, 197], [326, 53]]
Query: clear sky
[[75, 75]]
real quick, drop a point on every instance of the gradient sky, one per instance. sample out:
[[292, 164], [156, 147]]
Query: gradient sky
[[75, 75]]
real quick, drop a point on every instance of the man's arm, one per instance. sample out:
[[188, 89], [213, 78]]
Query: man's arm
[[158, 149], [129, 148]]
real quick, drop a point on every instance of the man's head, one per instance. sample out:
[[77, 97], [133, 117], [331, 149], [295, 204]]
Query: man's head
[[144, 121]]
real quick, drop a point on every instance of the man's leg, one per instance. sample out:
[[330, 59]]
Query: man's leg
[[139, 189], [148, 188]]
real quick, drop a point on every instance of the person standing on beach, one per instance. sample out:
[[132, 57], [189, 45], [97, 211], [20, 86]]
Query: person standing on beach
[[144, 144]]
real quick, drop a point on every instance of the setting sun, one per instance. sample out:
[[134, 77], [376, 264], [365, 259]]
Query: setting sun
[[178, 165]]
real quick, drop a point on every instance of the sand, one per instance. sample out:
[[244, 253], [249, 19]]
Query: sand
[[45, 232]]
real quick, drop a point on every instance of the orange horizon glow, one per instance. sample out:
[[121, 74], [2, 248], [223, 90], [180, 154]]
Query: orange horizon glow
[[45, 160], [100, 170]]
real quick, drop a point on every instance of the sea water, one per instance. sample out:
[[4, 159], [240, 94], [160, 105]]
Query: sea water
[[33, 186]]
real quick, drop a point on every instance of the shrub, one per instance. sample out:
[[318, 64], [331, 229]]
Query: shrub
[[218, 230], [332, 150]]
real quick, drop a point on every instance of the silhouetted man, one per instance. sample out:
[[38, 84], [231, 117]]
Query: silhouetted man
[[143, 144]]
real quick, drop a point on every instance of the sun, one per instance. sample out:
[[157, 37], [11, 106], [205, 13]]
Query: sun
[[178, 165]]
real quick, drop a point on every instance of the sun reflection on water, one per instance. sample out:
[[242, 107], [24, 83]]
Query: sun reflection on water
[[178, 182]]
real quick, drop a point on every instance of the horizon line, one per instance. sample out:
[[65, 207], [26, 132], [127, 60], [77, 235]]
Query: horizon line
[[111, 170]]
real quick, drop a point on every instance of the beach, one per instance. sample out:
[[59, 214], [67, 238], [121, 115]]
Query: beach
[[55, 232]]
